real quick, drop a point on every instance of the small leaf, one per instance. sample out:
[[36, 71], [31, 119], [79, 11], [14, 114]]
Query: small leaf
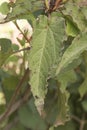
[[5, 50], [84, 105], [83, 88], [9, 84], [78, 45], [15, 47], [66, 78], [4, 8], [71, 28]]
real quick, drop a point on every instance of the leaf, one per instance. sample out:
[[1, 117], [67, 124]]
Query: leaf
[[68, 126], [84, 105], [83, 88], [63, 109], [30, 118], [23, 10], [66, 78], [18, 126], [73, 10], [56, 104], [46, 43], [15, 47], [51, 128], [2, 97], [5, 50], [78, 46], [4, 8], [9, 84], [71, 28], [84, 10]]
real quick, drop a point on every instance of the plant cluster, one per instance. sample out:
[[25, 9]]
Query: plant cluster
[[50, 90]]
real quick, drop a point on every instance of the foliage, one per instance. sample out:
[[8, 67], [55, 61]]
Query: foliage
[[49, 92]]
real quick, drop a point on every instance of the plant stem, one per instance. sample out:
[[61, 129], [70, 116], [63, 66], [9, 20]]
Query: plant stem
[[82, 122], [28, 40], [12, 107], [12, 124], [24, 49], [75, 118]]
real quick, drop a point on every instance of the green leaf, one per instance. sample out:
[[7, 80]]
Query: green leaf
[[23, 9], [15, 47], [47, 41], [51, 128], [71, 28], [9, 84], [63, 108], [4, 8], [68, 126], [56, 104], [30, 118], [18, 126], [2, 96], [84, 10], [66, 78], [78, 46], [73, 10], [83, 88], [84, 105], [5, 50]]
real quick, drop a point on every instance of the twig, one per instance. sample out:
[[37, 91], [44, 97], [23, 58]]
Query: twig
[[24, 49], [76, 118], [57, 3], [82, 122], [11, 107], [12, 124], [28, 40], [16, 105]]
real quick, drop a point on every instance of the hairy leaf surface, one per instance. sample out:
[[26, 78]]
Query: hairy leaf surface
[[46, 42]]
